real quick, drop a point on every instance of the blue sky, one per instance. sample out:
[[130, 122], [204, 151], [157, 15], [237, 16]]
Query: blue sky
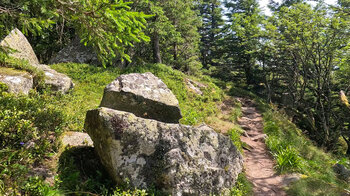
[[263, 4]]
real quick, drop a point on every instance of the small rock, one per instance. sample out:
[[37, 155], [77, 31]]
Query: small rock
[[18, 42], [57, 81], [290, 178], [144, 95], [260, 137], [17, 81], [342, 171], [76, 139], [195, 86]]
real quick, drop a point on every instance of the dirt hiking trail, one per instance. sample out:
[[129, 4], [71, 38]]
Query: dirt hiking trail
[[258, 163]]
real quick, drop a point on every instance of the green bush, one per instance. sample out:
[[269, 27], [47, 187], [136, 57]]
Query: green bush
[[293, 152], [243, 187], [29, 127]]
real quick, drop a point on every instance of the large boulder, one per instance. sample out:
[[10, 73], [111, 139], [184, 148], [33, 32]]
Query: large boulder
[[18, 42], [23, 50], [57, 81], [144, 95], [173, 158], [17, 81], [76, 52]]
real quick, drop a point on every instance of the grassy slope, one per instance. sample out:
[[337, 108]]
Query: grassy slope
[[87, 94], [90, 82], [294, 152]]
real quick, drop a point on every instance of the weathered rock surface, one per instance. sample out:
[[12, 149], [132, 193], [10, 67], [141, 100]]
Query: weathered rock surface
[[76, 139], [23, 50], [17, 81], [144, 95], [57, 81], [195, 86], [174, 158], [17, 41], [342, 171], [76, 52]]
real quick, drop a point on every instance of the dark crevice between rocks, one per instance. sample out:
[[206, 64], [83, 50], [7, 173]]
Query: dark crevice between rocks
[[144, 108]]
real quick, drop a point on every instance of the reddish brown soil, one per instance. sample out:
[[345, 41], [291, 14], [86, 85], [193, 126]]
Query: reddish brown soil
[[258, 163]]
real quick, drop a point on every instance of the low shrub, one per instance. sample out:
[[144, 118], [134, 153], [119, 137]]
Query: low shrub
[[29, 127]]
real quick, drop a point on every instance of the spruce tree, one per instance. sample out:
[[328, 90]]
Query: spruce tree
[[211, 31], [242, 39]]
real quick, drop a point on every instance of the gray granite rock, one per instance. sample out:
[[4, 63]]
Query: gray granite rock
[[57, 81], [342, 172], [18, 42], [173, 158], [17, 81], [23, 50], [76, 139], [144, 95], [76, 52], [195, 86]]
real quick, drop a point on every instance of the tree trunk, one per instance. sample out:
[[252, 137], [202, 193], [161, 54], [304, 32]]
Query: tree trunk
[[175, 51], [156, 49]]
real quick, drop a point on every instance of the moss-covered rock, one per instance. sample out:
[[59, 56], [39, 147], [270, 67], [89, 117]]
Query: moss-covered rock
[[17, 81], [23, 50], [173, 158]]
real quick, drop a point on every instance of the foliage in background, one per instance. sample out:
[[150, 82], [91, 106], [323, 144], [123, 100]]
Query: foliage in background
[[108, 26], [210, 12], [173, 33]]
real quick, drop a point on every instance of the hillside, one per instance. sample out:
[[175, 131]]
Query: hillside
[[78, 171], [67, 113], [185, 97]]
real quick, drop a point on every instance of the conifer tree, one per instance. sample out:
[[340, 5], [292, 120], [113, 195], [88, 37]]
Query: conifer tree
[[211, 31], [242, 39]]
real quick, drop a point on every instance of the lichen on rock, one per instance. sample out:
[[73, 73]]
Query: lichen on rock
[[144, 95], [23, 50], [174, 158]]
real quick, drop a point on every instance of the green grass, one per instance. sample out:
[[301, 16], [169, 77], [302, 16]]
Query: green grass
[[46, 115], [90, 81], [243, 187], [296, 153]]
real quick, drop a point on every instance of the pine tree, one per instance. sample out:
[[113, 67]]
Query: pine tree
[[242, 39], [211, 31], [174, 33]]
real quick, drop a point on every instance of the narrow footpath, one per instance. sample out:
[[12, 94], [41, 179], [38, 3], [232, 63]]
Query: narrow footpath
[[258, 163]]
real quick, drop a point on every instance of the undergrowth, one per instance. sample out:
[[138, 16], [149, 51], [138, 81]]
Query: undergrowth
[[294, 152], [34, 122], [29, 127], [90, 82]]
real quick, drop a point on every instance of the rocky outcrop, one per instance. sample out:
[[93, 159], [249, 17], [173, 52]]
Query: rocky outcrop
[[76, 52], [17, 81], [23, 50], [173, 158], [18, 42], [342, 171], [144, 95]]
